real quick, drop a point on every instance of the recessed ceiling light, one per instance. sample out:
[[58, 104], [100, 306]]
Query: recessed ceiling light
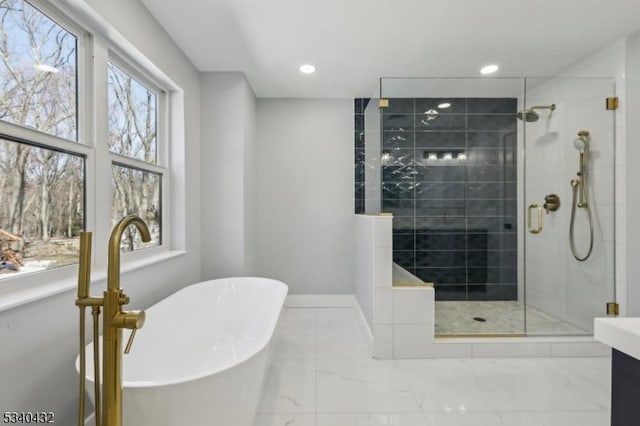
[[307, 69], [444, 105], [489, 69], [45, 68]]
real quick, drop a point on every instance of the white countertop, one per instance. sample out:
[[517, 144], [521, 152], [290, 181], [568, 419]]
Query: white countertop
[[622, 334]]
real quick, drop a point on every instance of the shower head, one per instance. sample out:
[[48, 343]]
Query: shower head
[[530, 115]]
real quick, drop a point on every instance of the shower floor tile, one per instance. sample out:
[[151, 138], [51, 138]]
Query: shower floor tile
[[500, 317]]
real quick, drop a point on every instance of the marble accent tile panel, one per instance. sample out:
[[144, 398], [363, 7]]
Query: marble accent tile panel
[[458, 105], [449, 292], [492, 173], [399, 106], [491, 157], [394, 140], [487, 139], [492, 105], [506, 122], [439, 223], [440, 190], [440, 259], [443, 241], [440, 122], [397, 122], [440, 139], [441, 174], [406, 259]]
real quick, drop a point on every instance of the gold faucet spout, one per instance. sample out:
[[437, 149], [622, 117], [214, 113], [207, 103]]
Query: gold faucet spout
[[115, 319], [113, 266]]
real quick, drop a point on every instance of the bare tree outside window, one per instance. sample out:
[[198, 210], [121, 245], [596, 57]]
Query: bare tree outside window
[[133, 134], [41, 190], [132, 117], [38, 76], [136, 192]]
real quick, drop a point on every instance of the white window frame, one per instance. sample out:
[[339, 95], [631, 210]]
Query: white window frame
[[96, 47]]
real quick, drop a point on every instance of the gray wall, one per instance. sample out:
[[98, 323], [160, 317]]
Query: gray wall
[[305, 194], [39, 340], [227, 175]]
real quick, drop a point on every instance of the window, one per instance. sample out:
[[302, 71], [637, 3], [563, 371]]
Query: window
[[53, 152], [136, 192], [132, 117], [42, 184], [38, 77], [133, 136]]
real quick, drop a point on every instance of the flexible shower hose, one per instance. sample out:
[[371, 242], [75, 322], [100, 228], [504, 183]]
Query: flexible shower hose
[[574, 204]]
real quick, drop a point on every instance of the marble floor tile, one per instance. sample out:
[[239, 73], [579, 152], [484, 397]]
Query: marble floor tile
[[341, 343], [362, 385], [470, 418], [323, 375], [454, 385], [574, 418], [372, 419], [285, 420], [290, 387]]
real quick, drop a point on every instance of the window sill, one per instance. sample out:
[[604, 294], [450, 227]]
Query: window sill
[[14, 297]]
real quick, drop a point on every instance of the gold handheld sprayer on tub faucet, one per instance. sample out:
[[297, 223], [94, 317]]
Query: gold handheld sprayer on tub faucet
[[108, 411]]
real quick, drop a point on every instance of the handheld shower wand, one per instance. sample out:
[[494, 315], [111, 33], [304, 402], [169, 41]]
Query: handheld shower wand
[[580, 183]]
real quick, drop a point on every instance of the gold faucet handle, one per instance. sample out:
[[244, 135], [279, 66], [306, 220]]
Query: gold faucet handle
[[127, 348], [132, 320]]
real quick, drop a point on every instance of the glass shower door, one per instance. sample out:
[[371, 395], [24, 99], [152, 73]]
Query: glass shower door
[[569, 204]]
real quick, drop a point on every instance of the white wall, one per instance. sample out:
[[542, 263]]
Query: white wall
[[304, 188], [227, 175], [39, 340], [633, 174], [556, 283]]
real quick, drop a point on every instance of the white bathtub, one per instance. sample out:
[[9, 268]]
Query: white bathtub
[[202, 356]]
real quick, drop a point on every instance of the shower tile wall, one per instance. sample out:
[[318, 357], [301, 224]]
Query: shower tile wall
[[449, 178], [359, 107]]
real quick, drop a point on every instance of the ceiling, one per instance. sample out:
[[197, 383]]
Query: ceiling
[[354, 42]]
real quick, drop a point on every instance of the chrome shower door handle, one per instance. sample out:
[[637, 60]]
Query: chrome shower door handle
[[530, 227]]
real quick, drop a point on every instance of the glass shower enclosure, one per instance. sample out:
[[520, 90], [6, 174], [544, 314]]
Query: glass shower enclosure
[[502, 195]]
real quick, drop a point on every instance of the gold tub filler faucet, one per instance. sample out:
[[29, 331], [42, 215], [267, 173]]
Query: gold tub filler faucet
[[108, 410]]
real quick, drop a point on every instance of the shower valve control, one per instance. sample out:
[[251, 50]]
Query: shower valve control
[[551, 203]]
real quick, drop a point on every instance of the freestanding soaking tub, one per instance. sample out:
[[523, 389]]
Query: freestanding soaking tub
[[201, 357]]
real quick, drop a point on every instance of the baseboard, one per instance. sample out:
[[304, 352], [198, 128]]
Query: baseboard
[[364, 326]]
